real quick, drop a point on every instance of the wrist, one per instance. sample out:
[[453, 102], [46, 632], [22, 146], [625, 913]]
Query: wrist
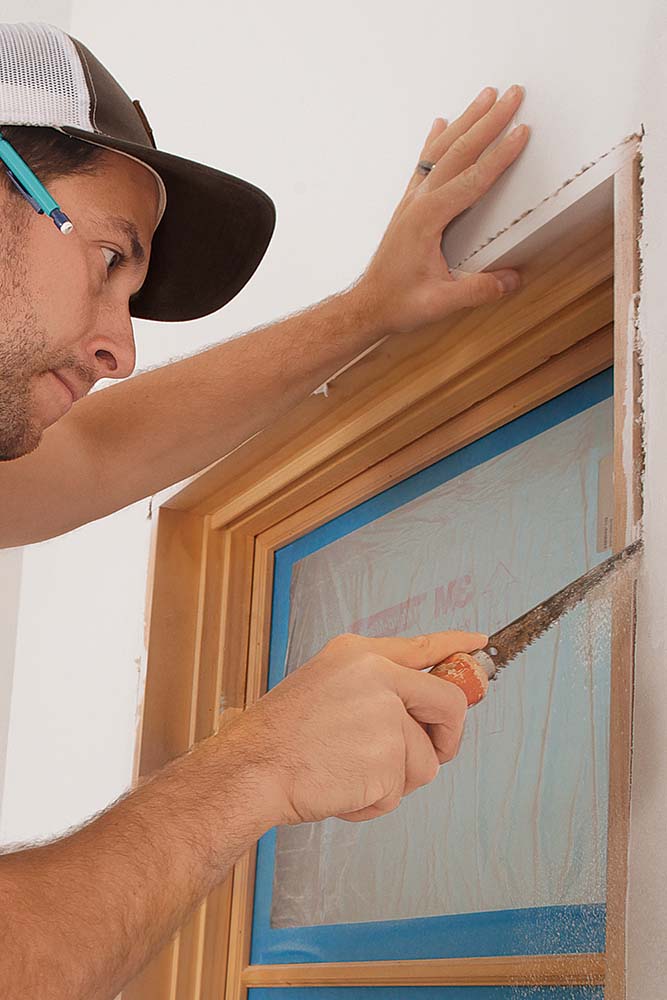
[[364, 311], [250, 784]]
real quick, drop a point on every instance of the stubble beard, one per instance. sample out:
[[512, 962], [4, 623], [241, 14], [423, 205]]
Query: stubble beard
[[20, 432], [23, 348]]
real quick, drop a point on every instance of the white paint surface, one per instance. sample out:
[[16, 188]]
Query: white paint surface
[[52, 11], [78, 676], [11, 565], [326, 107]]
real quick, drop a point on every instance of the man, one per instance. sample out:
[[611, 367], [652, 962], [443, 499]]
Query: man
[[357, 727]]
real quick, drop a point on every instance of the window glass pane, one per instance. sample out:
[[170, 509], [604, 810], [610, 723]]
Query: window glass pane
[[519, 818]]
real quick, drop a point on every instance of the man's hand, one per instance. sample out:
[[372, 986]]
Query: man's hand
[[357, 727], [408, 281], [348, 734], [147, 433]]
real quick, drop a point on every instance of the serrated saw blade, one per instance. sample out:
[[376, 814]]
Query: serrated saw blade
[[506, 644]]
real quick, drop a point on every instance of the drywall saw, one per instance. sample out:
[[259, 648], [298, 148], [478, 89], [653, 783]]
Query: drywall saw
[[472, 672]]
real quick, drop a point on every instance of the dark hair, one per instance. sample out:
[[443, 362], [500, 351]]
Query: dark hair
[[50, 153]]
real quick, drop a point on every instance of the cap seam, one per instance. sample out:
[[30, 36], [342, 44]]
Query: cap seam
[[91, 86]]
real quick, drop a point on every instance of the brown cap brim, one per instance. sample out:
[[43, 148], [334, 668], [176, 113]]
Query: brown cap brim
[[211, 239]]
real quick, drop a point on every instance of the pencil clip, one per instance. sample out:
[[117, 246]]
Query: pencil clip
[[17, 183]]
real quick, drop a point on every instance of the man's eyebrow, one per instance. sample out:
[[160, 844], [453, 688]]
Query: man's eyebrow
[[129, 230]]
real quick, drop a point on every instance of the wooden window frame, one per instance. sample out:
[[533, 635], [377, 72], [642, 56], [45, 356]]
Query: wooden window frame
[[402, 407]]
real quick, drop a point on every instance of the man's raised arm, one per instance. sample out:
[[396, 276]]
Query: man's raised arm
[[132, 440]]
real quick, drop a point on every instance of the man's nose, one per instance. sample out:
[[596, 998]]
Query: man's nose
[[113, 348]]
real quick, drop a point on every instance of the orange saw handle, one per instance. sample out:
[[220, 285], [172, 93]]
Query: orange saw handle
[[471, 673]]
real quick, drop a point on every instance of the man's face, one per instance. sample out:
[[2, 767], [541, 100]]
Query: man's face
[[64, 300]]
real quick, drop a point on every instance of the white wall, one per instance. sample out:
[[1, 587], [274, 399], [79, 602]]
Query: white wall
[[53, 11], [326, 107], [11, 566], [78, 676]]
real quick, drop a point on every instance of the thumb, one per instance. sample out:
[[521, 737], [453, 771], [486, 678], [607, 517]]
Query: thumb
[[467, 290]]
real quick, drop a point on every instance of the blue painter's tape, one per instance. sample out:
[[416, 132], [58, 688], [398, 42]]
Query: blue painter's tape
[[529, 931]]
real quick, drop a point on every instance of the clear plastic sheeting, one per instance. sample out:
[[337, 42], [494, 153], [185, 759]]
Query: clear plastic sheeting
[[519, 819]]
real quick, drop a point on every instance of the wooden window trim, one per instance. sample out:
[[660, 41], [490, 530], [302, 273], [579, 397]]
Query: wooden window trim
[[409, 403]]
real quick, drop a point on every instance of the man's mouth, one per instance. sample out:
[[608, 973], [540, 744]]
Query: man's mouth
[[75, 391]]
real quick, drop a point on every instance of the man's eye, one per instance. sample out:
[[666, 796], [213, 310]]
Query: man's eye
[[113, 259]]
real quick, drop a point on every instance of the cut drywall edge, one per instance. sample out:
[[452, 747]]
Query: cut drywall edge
[[632, 392], [587, 183], [598, 163], [578, 200], [638, 353]]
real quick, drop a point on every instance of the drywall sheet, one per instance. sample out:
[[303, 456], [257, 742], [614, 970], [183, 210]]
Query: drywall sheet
[[518, 820]]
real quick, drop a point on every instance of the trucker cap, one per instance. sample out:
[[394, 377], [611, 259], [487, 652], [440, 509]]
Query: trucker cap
[[215, 227]]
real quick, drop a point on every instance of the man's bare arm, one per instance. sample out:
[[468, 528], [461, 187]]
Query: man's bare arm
[[351, 732], [79, 917], [132, 439], [136, 438]]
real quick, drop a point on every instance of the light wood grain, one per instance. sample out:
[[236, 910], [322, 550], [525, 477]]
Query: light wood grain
[[314, 432], [216, 943], [480, 381], [170, 696], [180, 546], [565, 970], [583, 360], [406, 405], [256, 679]]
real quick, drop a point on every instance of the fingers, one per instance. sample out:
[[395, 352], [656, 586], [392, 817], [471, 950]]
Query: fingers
[[421, 767], [426, 747], [469, 290], [456, 195], [443, 708], [380, 808], [475, 110], [442, 134], [438, 129], [439, 141], [425, 650], [466, 148], [421, 761]]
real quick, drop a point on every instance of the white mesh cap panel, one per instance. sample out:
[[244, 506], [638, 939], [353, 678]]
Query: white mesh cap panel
[[41, 78]]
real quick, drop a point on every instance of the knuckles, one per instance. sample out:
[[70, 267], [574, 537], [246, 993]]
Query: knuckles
[[344, 643], [423, 643], [354, 652], [470, 178], [461, 147]]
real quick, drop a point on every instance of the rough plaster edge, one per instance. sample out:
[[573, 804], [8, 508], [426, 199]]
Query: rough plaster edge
[[636, 349], [546, 201], [633, 137], [166, 495], [638, 340]]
